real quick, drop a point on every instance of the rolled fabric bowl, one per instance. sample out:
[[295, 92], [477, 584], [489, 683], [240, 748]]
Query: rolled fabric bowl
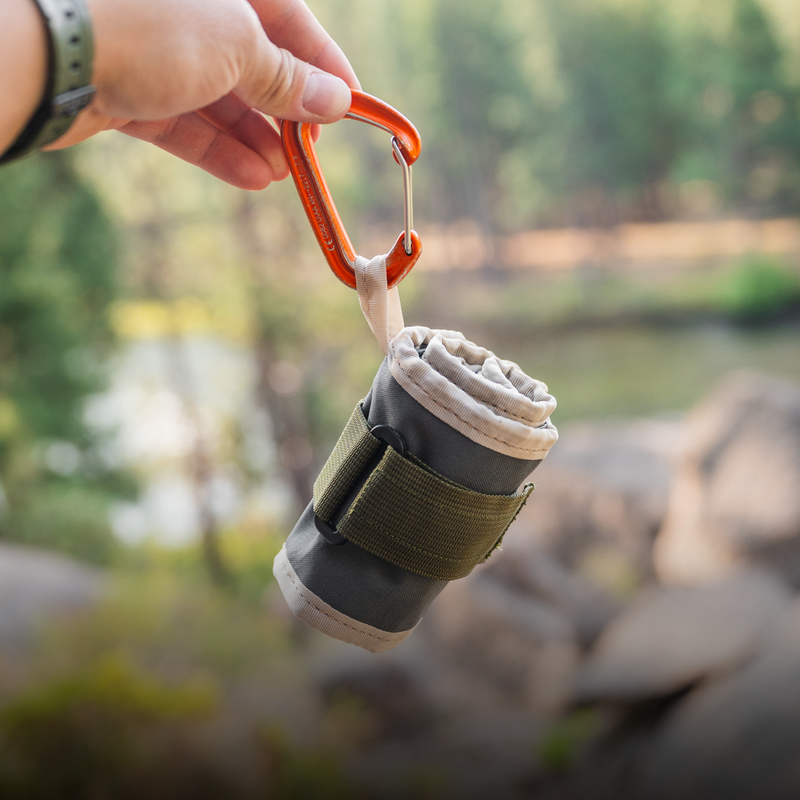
[[420, 488]]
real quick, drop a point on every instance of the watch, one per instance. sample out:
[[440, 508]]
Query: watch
[[69, 88]]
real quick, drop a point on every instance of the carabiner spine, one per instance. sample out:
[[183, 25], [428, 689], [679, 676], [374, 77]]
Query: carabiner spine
[[315, 194]]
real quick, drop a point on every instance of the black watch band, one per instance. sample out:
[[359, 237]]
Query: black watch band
[[69, 89]]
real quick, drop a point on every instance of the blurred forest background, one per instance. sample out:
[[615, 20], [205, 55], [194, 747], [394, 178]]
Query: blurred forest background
[[608, 194]]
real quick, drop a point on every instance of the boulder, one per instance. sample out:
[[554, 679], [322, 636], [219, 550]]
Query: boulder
[[737, 737], [735, 498], [524, 568], [671, 638], [515, 650], [601, 496], [36, 586]]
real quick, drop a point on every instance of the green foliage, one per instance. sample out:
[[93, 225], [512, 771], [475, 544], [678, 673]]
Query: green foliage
[[111, 729], [167, 690], [743, 120], [70, 518], [618, 127], [162, 622], [760, 291], [57, 260], [248, 550], [576, 111], [304, 775], [250, 553], [57, 254], [485, 106], [91, 734], [566, 738]]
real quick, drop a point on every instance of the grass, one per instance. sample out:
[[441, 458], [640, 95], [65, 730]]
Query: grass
[[166, 689]]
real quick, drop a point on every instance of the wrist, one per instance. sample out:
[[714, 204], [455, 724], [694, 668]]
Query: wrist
[[68, 87], [23, 65]]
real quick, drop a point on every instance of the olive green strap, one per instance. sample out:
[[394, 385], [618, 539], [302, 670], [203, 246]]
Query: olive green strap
[[408, 514], [349, 459]]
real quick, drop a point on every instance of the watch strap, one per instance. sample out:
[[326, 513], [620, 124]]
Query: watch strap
[[69, 88]]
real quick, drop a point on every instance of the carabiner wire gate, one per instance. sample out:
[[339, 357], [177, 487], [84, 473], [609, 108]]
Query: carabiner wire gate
[[318, 203], [408, 196]]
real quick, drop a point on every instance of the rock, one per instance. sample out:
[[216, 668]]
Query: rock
[[735, 498], [523, 567], [670, 638], [738, 737], [36, 585], [515, 650], [600, 497]]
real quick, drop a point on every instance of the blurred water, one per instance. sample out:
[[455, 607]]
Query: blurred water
[[170, 402], [156, 414], [638, 371]]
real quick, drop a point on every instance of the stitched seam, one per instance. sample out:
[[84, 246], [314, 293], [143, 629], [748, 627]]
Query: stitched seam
[[466, 422], [322, 611]]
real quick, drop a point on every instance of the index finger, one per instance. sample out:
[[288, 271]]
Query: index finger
[[291, 25]]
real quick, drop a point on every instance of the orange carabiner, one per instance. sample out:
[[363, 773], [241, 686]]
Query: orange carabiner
[[316, 196]]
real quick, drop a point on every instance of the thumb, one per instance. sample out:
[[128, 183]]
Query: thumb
[[280, 85]]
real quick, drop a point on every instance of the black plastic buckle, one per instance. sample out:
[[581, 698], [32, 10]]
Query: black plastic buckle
[[329, 534], [390, 437]]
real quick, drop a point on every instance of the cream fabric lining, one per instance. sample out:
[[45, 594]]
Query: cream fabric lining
[[489, 400], [318, 614]]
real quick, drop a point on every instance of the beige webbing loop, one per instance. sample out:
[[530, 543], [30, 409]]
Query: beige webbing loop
[[408, 514], [381, 305]]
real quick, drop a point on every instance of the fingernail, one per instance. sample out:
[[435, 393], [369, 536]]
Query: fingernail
[[325, 96]]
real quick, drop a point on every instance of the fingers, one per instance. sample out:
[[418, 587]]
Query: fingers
[[194, 139], [291, 25], [278, 84], [251, 128], [297, 71], [225, 58]]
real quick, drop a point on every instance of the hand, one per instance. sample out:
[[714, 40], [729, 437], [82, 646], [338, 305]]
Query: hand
[[196, 77]]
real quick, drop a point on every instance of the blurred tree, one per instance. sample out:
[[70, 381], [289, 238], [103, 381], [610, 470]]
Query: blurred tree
[[57, 268], [280, 336], [573, 112], [457, 72], [57, 255], [764, 142], [485, 107], [743, 121], [617, 128]]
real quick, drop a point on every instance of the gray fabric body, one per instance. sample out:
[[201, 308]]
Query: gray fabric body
[[361, 585]]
